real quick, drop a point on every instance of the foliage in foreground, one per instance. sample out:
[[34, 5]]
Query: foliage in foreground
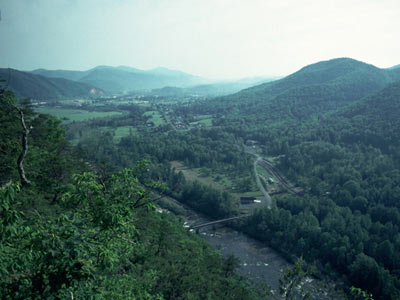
[[106, 242], [87, 236]]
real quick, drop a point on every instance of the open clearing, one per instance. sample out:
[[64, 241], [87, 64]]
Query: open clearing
[[194, 174], [124, 131], [263, 172], [218, 181], [204, 122], [68, 115], [155, 117]]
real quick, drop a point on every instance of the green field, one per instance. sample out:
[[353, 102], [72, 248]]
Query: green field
[[251, 194], [123, 131], [193, 174], [216, 180], [263, 172], [71, 115], [204, 122], [155, 117], [201, 117]]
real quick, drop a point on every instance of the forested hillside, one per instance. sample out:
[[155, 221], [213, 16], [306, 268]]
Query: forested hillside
[[28, 85], [70, 231], [375, 120], [315, 89], [336, 133], [340, 145]]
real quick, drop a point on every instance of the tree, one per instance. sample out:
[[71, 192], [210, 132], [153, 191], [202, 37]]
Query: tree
[[364, 272], [291, 279], [7, 104], [70, 253], [360, 294]]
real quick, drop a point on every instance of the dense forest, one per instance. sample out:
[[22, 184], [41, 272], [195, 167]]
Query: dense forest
[[342, 148], [334, 127], [70, 231], [331, 128]]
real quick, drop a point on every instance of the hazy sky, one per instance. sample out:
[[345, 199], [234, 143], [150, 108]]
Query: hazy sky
[[211, 38]]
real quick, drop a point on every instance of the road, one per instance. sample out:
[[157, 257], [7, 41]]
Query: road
[[167, 119], [259, 183], [267, 165]]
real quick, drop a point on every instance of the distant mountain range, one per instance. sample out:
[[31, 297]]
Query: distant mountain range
[[125, 79], [55, 84], [214, 89], [322, 85]]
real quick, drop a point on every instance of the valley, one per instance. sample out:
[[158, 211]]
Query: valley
[[312, 158], [199, 150]]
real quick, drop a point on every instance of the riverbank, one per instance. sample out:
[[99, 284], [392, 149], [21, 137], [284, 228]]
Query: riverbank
[[258, 262]]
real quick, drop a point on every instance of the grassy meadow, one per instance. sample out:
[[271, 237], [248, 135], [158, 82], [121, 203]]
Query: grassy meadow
[[68, 115]]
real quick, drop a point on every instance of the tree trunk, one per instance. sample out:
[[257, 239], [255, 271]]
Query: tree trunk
[[24, 141]]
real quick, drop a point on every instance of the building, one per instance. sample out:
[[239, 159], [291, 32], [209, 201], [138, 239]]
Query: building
[[247, 200]]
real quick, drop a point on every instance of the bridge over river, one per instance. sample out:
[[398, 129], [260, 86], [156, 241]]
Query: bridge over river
[[218, 221]]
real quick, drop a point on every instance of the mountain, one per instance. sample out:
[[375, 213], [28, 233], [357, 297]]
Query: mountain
[[213, 89], [374, 120], [168, 72], [314, 89], [115, 80], [77, 75], [66, 74], [394, 73], [27, 84], [160, 80], [394, 67], [386, 103], [129, 69], [350, 75], [123, 78]]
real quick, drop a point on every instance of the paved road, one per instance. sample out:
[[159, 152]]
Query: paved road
[[259, 184], [259, 159]]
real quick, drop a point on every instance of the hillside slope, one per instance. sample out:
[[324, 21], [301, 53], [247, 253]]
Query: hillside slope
[[26, 84], [315, 89], [373, 121], [66, 74]]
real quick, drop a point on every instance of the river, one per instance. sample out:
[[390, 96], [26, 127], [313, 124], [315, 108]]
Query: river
[[258, 262]]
